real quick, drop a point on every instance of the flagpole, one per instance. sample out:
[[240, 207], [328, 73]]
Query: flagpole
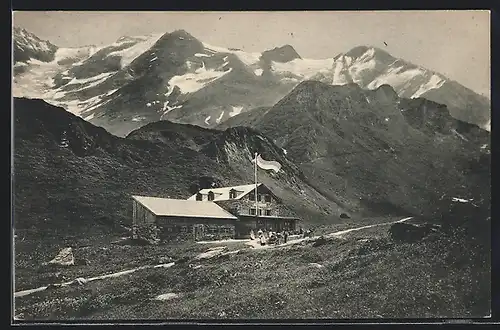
[[255, 171]]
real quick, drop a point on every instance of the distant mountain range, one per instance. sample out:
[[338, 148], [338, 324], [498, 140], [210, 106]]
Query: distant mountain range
[[174, 76]]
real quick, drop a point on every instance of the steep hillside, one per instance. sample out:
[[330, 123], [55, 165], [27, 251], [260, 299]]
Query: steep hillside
[[234, 148], [373, 149], [28, 46], [70, 174]]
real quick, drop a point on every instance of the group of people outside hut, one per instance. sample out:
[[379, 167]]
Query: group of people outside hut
[[270, 237]]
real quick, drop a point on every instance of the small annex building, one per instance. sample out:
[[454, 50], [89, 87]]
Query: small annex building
[[180, 219], [218, 213]]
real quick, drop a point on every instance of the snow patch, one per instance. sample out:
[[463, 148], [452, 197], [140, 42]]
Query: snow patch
[[89, 117], [148, 104], [220, 117], [461, 200], [247, 58], [192, 82], [111, 92], [212, 252], [395, 79], [207, 120], [284, 151], [99, 78], [258, 72], [170, 89], [202, 55], [74, 53], [166, 108], [304, 68], [236, 110], [214, 49], [434, 82], [339, 77], [138, 118], [459, 135], [130, 54], [153, 59]]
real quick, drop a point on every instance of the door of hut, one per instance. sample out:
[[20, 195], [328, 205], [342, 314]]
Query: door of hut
[[198, 232]]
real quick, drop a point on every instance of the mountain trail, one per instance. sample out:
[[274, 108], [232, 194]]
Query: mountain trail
[[90, 279], [256, 245]]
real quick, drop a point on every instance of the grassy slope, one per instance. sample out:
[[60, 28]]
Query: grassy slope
[[364, 275]]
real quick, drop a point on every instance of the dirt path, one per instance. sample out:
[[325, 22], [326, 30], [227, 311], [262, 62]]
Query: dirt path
[[90, 279], [256, 245]]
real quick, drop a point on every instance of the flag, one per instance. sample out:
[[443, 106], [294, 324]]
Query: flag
[[267, 164]]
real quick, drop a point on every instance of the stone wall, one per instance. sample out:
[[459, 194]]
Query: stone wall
[[182, 229], [147, 232]]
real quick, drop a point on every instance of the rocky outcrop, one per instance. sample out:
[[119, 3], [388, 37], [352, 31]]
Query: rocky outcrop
[[404, 232]]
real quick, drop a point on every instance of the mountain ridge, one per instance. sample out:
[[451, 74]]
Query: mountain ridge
[[368, 145]]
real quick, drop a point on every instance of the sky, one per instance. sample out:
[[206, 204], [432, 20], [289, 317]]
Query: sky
[[454, 43]]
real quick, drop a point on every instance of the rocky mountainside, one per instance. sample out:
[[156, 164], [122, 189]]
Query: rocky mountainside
[[70, 174], [30, 51], [174, 76], [372, 67], [374, 148], [28, 46]]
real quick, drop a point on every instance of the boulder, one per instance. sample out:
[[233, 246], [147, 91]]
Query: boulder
[[320, 241], [79, 281], [344, 216], [164, 260], [64, 258]]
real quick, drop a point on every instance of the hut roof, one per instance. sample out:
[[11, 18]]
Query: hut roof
[[183, 208]]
